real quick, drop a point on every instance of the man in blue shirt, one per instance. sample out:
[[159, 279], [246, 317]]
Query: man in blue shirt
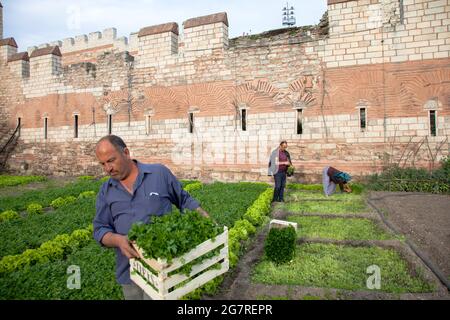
[[135, 192]]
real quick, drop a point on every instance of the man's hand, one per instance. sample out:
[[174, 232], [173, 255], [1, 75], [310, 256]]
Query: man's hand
[[203, 212], [114, 240], [126, 248]]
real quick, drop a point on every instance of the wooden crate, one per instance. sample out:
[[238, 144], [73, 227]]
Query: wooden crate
[[283, 224], [162, 283]]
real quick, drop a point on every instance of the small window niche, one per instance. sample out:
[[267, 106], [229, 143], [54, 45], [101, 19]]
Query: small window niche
[[363, 119], [299, 124], [432, 106], [76, 118], [244, 119], [19, 125], [45, 128], [433, 122], [149, 114], [110, 124], [148, 124], [191, 122]]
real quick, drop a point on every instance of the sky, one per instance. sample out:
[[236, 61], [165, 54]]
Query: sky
[[34, 22]]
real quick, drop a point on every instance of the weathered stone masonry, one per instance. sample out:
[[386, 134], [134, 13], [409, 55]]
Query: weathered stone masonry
[[388, 58]]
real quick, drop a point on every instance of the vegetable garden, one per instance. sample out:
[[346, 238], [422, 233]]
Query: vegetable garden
[[39, 243], [45, 232]]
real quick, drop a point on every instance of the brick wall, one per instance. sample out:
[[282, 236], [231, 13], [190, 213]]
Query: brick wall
[[150, 90]]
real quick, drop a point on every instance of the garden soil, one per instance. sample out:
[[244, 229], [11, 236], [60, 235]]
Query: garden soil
[[423, 218]]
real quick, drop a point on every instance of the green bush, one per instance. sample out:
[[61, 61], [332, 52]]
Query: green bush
[[59, 202], [87, 194], [446, 166], [413, 179], [280, 245], [193, 186], [357, 188], [243, 229], [257, 213], [34, 209], [9, 215]]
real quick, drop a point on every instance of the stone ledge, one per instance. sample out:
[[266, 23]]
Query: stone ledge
[[161, 28], [8, 42], [46, 51], [19, 56], [330, 2], [205, 20]]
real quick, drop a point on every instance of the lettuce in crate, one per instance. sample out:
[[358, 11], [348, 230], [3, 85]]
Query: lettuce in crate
[[173, 235]]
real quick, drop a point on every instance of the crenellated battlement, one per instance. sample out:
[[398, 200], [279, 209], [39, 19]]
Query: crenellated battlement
[[201, 36], [19, 64], [107, 38], [8, 47], [157, 42], [353, 32]]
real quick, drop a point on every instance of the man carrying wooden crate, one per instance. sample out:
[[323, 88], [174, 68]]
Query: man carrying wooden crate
[[134, 193]]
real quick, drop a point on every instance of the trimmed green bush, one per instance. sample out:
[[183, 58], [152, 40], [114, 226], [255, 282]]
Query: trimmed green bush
[[9, 215], [280, 245], [193, 186], [34, 209], [87, 194], [244, 229], [59, 202], [257, 213]]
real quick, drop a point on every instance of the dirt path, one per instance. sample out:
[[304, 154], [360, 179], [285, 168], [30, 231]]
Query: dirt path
[[423, 218]]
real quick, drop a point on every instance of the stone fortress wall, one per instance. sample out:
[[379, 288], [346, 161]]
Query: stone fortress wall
[[368, 86]]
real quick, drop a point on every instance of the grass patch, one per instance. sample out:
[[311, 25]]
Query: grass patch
[[339, 228], [341, 267], [302, 195], [356, 187], [29, 233], [326, 207], [48, 281], [228, 202], [45, 196], [10, 181], [306, 187]]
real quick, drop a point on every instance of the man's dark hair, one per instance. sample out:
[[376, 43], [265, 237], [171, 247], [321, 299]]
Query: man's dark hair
[[116, 141], [283, 142]]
